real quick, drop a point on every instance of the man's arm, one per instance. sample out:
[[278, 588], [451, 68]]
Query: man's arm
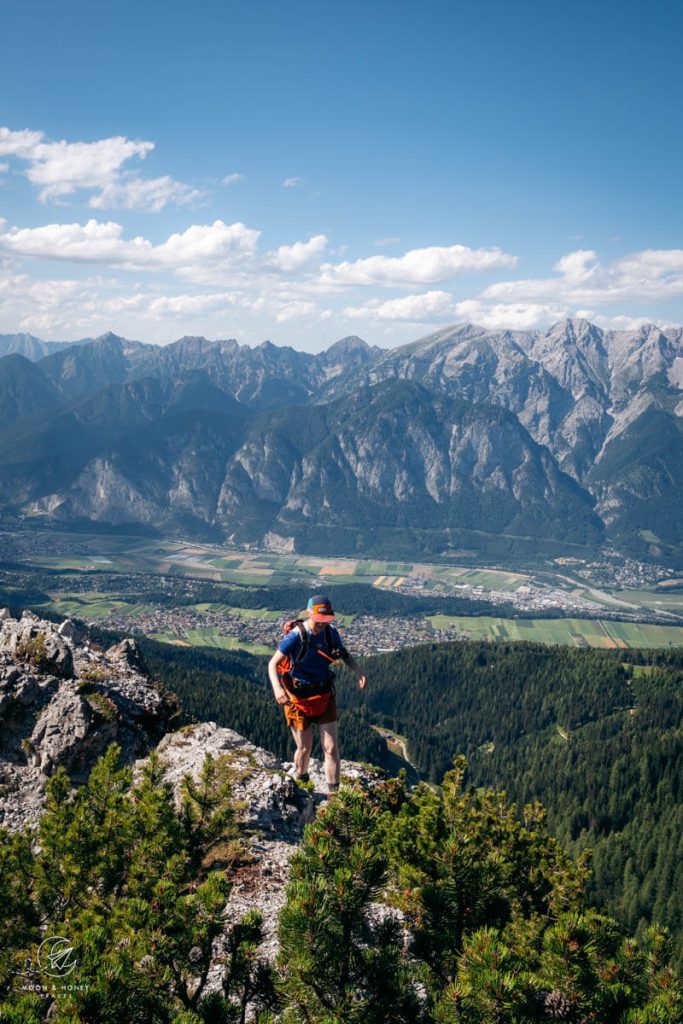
[[278, 689], [355, 667]]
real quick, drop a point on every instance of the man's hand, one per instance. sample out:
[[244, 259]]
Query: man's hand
[[361, 682], [279, 691]]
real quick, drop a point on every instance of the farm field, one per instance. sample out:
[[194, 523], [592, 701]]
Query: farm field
[[120, 554], [574, 632], [210, 638], [95, 606], [244, 613], [124, 554]]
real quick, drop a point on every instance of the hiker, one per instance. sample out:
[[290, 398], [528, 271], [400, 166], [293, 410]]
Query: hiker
[[301, 675]]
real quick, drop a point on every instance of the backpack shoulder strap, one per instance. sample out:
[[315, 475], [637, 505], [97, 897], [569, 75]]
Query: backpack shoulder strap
[[334, 649], [303, 634]]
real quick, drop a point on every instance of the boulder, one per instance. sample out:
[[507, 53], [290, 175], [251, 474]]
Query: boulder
[[73, 629], [58, 656], [126, 655], [60, 731]]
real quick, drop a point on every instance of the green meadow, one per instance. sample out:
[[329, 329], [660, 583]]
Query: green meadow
[[573, 632]]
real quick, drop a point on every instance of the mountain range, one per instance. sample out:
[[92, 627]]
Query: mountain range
[[480, 442]]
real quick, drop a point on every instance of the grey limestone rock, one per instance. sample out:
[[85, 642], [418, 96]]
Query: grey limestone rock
[[126, 655], [62, 703], [275, 813], [73, 629], [59, 734], [49, 721]]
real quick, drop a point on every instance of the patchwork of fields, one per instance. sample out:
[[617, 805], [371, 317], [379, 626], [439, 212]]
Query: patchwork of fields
[[574, 632], [118, 554], [124, 554]]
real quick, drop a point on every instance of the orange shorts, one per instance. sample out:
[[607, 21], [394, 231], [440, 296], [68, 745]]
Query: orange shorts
[[298, 720]]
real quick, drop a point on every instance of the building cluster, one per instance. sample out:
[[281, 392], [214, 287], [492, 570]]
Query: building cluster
[[617, 571], [527, 597], [366, 635]]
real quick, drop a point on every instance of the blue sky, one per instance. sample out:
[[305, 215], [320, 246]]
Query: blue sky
[[305, 171]]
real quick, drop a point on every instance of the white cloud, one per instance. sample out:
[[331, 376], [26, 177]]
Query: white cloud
[[18, 143], [4, 167], [294, 257], [181, 305], [291, 182], [621, 322], [62, 168], [391, 240], [295, 311], [418, 266], [191, 305], [516, 316], [65, 307], [150, 194], [232, 179], [652, 262], [438, 307], [649, 275], [207, 243], [578, 266], [413, 308], [96, 242]]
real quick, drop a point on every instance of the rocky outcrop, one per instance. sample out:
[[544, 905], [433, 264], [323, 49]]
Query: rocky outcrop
[[62, 701], [274, 812]]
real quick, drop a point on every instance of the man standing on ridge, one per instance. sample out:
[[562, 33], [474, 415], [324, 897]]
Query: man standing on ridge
[[303, 682]]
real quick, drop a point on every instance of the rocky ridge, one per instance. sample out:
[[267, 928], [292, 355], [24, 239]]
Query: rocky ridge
[[62, 702], [274, 813]]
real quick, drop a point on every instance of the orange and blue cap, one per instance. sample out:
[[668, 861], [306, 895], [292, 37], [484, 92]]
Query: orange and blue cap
[[319, 608]]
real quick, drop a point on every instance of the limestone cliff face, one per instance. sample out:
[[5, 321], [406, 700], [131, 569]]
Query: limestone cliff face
[[566, 385], [396, 455]]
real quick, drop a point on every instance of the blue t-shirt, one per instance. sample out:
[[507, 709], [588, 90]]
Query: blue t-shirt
[[314, 667]]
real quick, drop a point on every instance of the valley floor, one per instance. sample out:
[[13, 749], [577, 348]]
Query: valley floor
[[603, 604]]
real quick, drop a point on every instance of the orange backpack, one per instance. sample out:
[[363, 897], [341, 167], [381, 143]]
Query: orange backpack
[[310, 698]]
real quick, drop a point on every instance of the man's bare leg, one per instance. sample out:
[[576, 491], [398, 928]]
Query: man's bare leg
[[328, 738], [304, 744]]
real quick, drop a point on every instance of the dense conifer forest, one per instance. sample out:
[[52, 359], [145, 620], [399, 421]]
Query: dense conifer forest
[[402, 907]]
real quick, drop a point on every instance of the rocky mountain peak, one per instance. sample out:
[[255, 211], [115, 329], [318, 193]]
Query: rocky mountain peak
[[275, 811], [30, 346], [347, 346], [198, 343], [347, 354], [109, 337]]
